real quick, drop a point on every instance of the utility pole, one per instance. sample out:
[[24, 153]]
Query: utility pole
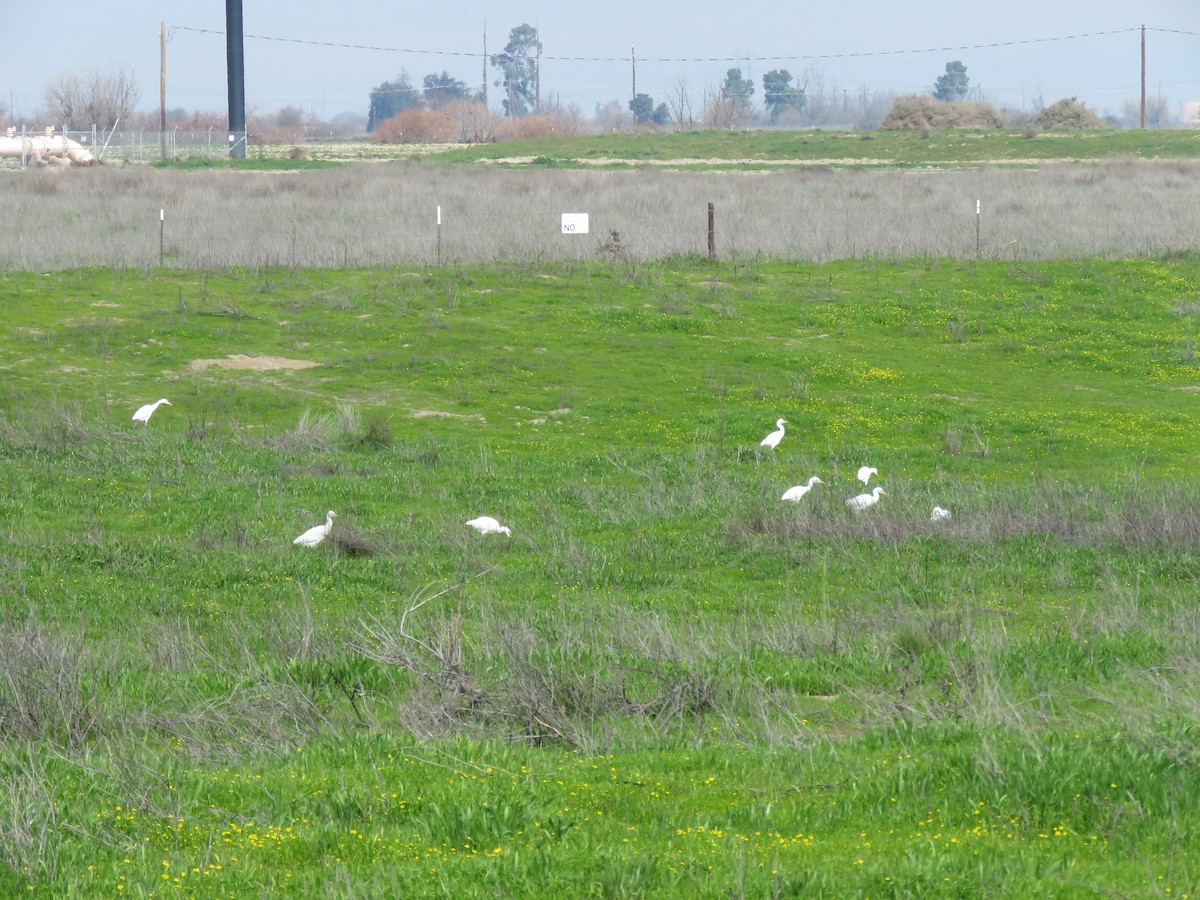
[[537, 80], [633, 63], [485, 62], [1143, 78], [162, 90], [235, 59]]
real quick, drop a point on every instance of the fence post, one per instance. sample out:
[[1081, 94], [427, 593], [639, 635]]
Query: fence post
[[712, 232], [978, 215]]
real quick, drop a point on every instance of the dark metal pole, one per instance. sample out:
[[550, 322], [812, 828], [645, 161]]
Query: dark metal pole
[[236, 62]]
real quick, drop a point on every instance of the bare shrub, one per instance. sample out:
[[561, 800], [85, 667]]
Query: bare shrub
[[349, 540], [257, 714], [274, 135], [537, 126], [312, 433], [1082, 515], [374, 431], [951, 442], [915, 112], [44, 690], [415, 126], [1069, 114], [433, 651], [539, 702], [473, 122]]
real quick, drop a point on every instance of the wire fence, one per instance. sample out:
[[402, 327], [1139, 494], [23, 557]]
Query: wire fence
[[49, 145], [413, 214]]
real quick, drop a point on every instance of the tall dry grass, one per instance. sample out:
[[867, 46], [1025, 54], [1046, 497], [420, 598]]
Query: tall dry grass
[[386, 214]]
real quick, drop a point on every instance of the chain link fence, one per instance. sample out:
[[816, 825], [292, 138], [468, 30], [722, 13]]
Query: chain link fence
[[28, 146]]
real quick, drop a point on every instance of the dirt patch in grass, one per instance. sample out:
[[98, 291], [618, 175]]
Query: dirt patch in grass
[[426, 413], [256, 363]]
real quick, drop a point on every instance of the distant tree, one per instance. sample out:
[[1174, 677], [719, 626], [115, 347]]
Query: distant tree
[[738, 90], [729, 106], [1158, 113], [643, 109], [779, 95], [390, 99], [954, 84], [97, 99], [442, 89], [609, 116], [290, 117], [518, 69], [288, 125]]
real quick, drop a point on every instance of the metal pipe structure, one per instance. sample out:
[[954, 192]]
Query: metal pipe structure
[[47, 147]]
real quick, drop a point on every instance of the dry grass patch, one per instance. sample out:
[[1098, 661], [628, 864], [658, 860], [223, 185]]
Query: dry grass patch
[[254, 363]]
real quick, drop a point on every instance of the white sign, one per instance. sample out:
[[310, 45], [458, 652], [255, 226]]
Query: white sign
[[574, 223]]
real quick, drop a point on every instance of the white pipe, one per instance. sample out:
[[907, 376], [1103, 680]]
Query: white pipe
[[55, 147]]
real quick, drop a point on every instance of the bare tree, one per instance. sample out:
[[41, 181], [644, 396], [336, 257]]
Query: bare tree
[[475, 123], [1158, 113], [721, 111], [100, 99], [611, 116], [679, 102]]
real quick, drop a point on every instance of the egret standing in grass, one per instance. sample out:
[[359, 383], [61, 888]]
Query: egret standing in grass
[[795, 493], [488, 525], [317, 533], [865, 473], [939, 514], [772, 440], [865, 501], [145, 412]]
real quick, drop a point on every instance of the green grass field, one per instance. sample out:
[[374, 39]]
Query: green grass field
[[739, 150], [742, 150], [666, 681]]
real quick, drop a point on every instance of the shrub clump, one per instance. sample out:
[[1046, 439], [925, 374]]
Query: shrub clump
[[1069, 113], [415, 126], [915, 112]]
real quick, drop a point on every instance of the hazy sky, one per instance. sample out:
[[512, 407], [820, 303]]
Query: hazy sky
[[327, 57]]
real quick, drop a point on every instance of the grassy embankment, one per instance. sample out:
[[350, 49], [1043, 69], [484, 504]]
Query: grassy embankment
[[742, 150], [955, 148], [667, 680]]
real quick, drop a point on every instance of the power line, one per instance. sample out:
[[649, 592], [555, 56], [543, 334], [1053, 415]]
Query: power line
[[856, 54]]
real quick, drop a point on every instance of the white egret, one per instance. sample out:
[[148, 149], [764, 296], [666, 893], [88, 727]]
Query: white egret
[[865, 473], [488, 525], [939, 514], [145, 412], [317, 533], [864, 501], [772, 440], [795, 493]]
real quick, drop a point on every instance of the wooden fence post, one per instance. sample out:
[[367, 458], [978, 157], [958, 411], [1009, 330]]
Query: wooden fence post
[[712, 233]]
